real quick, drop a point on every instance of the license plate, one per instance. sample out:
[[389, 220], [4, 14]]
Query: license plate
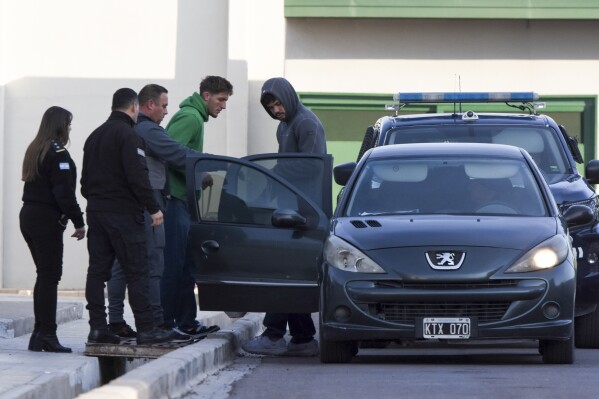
[[446, 327]]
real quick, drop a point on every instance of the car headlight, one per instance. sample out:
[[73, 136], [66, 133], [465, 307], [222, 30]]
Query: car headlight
[[546, 255], [591, 203], [344, 256]]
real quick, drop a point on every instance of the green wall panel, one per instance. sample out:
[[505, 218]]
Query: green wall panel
[[468, 9]]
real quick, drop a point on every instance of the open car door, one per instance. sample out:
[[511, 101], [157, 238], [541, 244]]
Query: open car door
[[257, 233]]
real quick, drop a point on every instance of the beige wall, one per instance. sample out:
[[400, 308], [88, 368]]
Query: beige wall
[[76, 53], [80, 59]]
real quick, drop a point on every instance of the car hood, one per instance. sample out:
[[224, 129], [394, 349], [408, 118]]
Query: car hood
[[489, 244], [379, 232], [572, 190]]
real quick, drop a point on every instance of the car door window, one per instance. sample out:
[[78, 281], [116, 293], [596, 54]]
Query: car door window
[[305, 173], [239, 194]]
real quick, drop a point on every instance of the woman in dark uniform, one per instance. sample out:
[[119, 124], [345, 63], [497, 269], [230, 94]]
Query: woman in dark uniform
[[48, 203]]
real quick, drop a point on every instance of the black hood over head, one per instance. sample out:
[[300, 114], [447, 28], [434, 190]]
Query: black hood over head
[[281, 89]]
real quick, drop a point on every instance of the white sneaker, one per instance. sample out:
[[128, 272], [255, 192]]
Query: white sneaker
[[263, 345], [309, 348]]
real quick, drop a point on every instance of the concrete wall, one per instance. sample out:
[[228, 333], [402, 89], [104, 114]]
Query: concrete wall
[[76, 53], [368, 55]]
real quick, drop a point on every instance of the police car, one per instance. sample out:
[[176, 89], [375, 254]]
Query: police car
[[549, 144]]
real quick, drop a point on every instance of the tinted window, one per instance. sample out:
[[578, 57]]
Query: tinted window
[[304, 173], [456, 185], [542, 144], [239, 194]]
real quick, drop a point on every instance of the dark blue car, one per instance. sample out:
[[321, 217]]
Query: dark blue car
[[448, 241], [554, 151], [429, 242]]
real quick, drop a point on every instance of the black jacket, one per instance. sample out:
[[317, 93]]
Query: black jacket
[[56, 185], [114, 177]]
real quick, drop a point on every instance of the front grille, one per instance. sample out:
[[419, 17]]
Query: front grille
[[407, 312], [446, 285]]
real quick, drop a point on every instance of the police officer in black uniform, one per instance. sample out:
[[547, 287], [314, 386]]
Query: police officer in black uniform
[[49, 202], [115, 182]]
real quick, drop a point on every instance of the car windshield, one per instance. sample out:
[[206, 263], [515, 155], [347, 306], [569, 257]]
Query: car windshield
[[541, 143], [446, 185]]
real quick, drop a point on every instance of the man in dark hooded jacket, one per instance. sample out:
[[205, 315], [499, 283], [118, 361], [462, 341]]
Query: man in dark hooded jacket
[[299, 131]]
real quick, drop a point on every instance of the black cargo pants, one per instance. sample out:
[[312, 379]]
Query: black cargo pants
[[121, 236]]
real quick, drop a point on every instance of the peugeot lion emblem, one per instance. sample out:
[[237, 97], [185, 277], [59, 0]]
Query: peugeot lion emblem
[[445, 260]]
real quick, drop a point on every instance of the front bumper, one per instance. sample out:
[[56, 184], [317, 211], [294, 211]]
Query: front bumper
[[357, 307], [585, 243]]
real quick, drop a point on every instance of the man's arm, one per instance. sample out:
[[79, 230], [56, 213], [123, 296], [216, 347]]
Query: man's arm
[[136, 171], [310, 137], [162, 146], [184, 128]]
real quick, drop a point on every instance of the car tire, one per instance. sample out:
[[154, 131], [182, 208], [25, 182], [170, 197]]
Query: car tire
[[587, 330], [557, 352], [336, 352], [367, 142]]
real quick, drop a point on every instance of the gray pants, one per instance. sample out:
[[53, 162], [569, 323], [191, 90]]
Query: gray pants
[[116, 286]]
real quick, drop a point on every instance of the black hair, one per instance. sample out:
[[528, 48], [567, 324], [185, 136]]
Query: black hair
[[54, 127], [150, 92], [268, 98], [216, 84], [123, 98]]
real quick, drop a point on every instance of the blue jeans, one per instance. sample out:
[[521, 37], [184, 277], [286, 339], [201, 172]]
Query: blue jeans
[[301, 326], [116, 286], [177, 283]]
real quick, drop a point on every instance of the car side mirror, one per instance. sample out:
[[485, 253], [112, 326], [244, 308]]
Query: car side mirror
[[591, 171], [343, 172], [577, 215], [287, 218]]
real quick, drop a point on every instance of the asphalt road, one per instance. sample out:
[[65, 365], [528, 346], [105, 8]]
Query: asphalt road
[[419, 371]]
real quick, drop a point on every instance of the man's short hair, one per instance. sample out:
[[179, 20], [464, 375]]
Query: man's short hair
[[216, 84], [150, 92], [123, 98]]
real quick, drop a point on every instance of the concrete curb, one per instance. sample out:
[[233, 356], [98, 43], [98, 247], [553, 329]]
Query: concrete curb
[[171, 374], [59, 383], [17, 326]]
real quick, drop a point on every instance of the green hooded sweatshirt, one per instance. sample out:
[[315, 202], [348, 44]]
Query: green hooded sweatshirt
[[187, 128]]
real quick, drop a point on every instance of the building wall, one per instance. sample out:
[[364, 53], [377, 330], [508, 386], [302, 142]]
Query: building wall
[[76, 54]]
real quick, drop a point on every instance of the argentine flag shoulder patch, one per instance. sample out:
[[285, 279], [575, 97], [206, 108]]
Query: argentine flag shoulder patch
[[64, 166]]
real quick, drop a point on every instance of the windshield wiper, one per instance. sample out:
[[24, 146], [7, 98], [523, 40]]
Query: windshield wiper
[[407, 212]]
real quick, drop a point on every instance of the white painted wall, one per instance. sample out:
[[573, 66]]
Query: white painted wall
[[76, 53]]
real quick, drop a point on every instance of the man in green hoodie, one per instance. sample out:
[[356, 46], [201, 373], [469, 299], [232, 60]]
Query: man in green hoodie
[[177, 284]]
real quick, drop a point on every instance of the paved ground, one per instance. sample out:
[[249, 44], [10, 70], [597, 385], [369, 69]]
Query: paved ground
[[33, 375]]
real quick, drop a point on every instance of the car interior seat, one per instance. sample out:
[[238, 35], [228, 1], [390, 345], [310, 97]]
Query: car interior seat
[[528, 139], [449, 184]]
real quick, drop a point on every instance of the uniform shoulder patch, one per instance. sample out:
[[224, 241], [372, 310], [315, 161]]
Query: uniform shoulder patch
[[57, 147], [64, 166]]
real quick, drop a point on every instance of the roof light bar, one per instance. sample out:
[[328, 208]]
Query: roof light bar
[[466, 97]]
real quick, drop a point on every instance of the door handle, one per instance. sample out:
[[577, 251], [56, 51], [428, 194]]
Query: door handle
[[209, 246]]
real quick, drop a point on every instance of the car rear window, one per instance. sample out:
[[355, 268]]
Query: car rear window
[[541, 143]]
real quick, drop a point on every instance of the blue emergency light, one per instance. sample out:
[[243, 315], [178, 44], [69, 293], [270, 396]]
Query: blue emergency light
[[466, 97]]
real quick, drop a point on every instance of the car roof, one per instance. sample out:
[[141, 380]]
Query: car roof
[[483, 118], [449, 149]]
